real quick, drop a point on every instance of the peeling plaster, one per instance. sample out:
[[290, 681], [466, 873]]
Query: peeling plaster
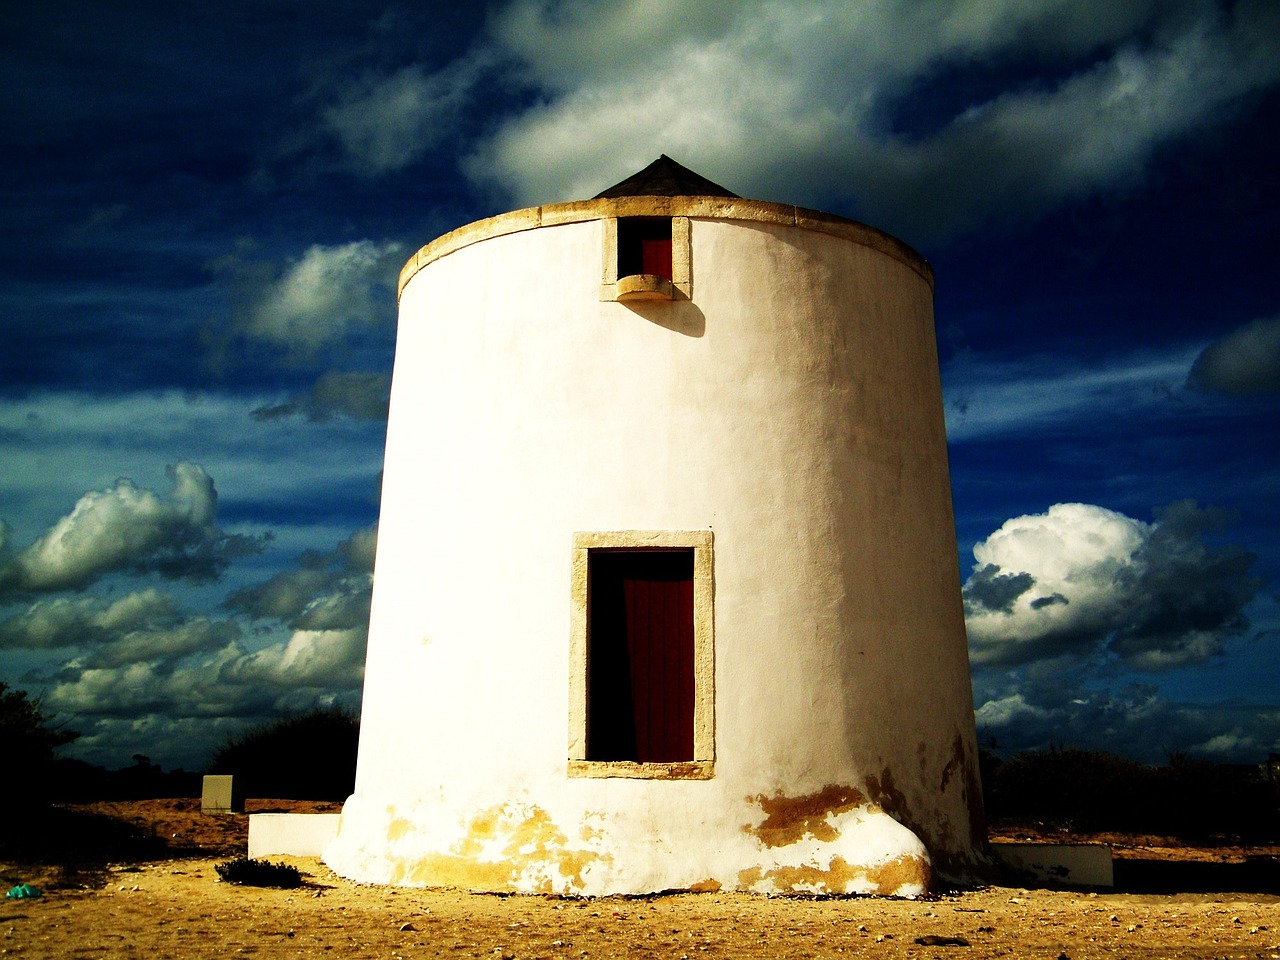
[[789, 820], [816, 826], [509, 847], [904, 876]]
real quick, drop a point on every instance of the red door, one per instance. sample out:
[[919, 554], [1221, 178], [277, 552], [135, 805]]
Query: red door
[[656, 256], [640, 673]]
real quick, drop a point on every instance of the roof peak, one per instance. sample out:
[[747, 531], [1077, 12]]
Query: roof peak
[[665, 178]]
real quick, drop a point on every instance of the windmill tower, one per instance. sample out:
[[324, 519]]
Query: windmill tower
[[666, 593]]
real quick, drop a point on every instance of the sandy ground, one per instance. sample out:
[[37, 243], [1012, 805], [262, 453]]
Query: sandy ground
[[1223, 902]]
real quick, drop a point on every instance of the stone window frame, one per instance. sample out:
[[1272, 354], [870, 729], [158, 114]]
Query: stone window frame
[[622, 289], [701, 542]]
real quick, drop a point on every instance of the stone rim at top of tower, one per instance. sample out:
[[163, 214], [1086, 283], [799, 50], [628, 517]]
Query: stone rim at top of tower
[[662, 189]]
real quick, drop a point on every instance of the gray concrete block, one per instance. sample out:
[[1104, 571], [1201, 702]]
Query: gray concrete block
[[220, 794]]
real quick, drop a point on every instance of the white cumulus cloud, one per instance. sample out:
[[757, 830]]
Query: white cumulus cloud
[[128, 529], [325, 294], [140, 662], [85, 621], [329, 296], [1080, 579], [326, 591], [326, 659]]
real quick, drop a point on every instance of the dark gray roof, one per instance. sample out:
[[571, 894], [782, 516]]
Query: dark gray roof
[[665, 178]]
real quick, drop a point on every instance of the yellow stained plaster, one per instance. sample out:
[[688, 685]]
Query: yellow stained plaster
[[588, 831], [534, 856], [789, 820]]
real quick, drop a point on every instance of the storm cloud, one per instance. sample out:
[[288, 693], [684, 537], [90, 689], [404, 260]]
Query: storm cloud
[[1116, 83]]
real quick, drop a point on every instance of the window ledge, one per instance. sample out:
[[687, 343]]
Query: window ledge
[[644, 286], [629, 769]]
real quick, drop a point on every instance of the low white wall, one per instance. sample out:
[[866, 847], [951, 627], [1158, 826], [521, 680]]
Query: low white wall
[[291, 834], [1060, 864]]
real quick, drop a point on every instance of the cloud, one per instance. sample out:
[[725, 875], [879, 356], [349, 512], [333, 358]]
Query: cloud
[[140, 660], [360, 396], [1081, 579], [81, 690], [56, 445], [992, 397], [1149, 726], [327, 591], [317, 300], [86, 621], [226, 681], [325, 602], [325, 659], [127, 529], [820, 99], [1245, 361], [164, 646], [384, 122], [1093, 130], [141, 627], [1189, 596]]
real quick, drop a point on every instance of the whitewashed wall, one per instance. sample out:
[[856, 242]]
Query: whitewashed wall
[[792, 407]]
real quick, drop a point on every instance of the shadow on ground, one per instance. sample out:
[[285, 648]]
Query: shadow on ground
[[73, 848], [1260, 874]]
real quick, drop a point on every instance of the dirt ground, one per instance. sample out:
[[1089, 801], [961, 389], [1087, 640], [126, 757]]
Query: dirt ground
[[1171, 901]]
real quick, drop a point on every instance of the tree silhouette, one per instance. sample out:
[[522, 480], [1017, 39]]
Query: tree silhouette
[[28, 740], [310, 756]]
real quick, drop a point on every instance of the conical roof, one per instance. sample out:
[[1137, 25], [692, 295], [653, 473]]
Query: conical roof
[[665, 178]]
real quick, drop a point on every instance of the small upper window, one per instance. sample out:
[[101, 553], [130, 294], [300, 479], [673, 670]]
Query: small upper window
[[647, 258]]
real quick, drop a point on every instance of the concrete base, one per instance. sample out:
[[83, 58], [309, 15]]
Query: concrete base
[[1058, 864], [220, 793], [291, 834]]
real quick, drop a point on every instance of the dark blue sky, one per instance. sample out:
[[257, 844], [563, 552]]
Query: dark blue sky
[[204, 211]]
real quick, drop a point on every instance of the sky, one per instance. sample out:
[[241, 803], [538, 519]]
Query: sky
[[205, 208]]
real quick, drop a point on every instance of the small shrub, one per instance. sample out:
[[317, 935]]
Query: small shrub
[[259, 873]]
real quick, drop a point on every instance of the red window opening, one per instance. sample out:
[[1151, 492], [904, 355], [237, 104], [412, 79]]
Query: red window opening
[[640, 676], [644, 246]]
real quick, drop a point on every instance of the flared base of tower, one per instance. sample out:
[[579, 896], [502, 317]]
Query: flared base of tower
[[832, 842]]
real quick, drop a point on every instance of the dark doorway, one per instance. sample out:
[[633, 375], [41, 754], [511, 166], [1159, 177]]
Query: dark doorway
[[644, 246], [640, 676]]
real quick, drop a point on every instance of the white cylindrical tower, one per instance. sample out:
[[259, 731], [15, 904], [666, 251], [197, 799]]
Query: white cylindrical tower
[[667, 592]]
